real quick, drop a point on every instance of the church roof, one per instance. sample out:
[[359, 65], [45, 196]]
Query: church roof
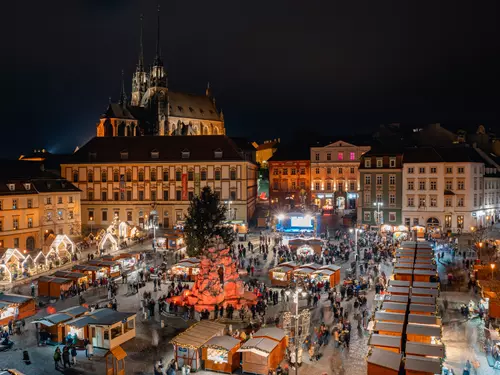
[[116, 110], [192, 106]]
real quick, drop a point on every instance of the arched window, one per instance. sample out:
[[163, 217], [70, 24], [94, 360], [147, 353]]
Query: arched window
[[215, 131], [153, 174], [191, 175], [232, 174], [203, 175], [116, 176], [141, 174], [104, 176], [108, 128], [90, 176], [75, 176], [128, 175], [122, 129], [30, 243], [217, 174], [178, 175]]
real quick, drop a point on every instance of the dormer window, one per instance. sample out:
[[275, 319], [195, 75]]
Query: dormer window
[[180, 108], [27, 186], [49, 185], [218, 154], [202, 111], [11, 187], [185, 154], [211, 112], [191, 109], [124, 155], [155, 154], [92, 156]]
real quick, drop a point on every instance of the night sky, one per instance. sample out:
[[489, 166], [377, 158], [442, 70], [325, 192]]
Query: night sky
[[276, 67]]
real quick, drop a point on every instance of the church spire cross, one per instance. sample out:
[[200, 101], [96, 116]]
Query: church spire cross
[[123, 95], [158, 61]]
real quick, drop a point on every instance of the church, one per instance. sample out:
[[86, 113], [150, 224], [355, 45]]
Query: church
[[156, 110]]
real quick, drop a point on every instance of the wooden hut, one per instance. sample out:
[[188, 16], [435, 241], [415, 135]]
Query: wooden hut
[[115, 361], [424, 319], [402, 264], [421, 300], [425, 266], [305, 271], [389, 317], [388, 328], [17, 307], [400, 283], [281, 275], [53, 326], [49, 286], [425, 333], [395, 298], [220, 354], [423, 284], [425, 275], [398, 290], [418, 365], [425, 350], [264, 351], [330, 273], [395, 307], [112, 267], [93, 272], [416, 308], [386, 342], [382, 362], [424, 292], [403, 274], [187, 344], [186, 269], [77, 277]]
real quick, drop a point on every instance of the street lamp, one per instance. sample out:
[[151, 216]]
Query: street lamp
[[378, 205], [229, 209], [355, 231], [480, 245], [492, 265], [295, 295]]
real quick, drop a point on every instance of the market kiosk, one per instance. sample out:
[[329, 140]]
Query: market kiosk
[[385, 342], [395, 298], [18, 307], [388, 328], [77, 277], [93, 272], [423, 300], [220, 354], [395, 307], [423, 333], [399, 283], [424, 350], [305, 271], [264, 351], [187, 344], [416, 308], [52, 326], [403, 274], [186, 268], [425, 275], [401, 264], [330, 273], [425, 266], [111, 268], [424, 319], [389, 317], [50, 286], [417, 365], [281, 275], [422, 284], [424, 292], [383, 362]]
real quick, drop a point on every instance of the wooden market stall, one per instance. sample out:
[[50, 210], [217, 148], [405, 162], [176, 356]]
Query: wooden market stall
[[425, 275], [220, 354], [424, 350], [423, 300], [264, 351], [16, 307], [94, 273], [77, 277], [425, 266], [418, 365], [416, 308], [402, 264], [383, 362], [281, 275], [388, 328], [112, 268], [405, 255], [187, 344], [400, 283], [185, 269], [398, 290], [305, 271], [52, 327], [424, 333], [424, 319], [395, 298], [424, 292], [115, 361], [385, 342], [50, 286], [403, 274], [395, 307], [422, 284], [330, 273], [390, 317]]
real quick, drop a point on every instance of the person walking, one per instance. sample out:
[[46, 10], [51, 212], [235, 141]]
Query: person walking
[[90, 350], [65, 357], [57, 358], [73, 354]]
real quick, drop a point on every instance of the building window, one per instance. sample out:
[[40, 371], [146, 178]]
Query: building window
[[460, 170], [316, 157], [59, 200], [285, 171], [217, 174], [1, 205], [129, 195], [433, 185], [340, 186], [165, 195], [293, 172], [129, 215], [392, 199], [104, 196], [421, 201], [116, 176], [294, 185], [328, 186], [340, 155], [70, 199], [317, 170], [49, 200], [392, 163], [328, 170], [460, 221], [449, 170], [91, 215], [178, 175], [392, 217], [475, 200], [153, 195], [433, 170], [480, 183], [421, 185], [190, 175], [302, 171], [392, 180], [203, 174], [447, 202], [410, 185], [190, 195], [379, 198], [352, 170], [368, 198], [75, 176], [421, 170], [128, 175], [368, 163], [14, 204], [447, 221], [16, 242], [433, 201], [141, 175], [153, 174], [329, 156], [460, 202], [59, 215], [232, 195], [379, 180], [340, 170], [165, 175], [141, 195], [90, 176], [232, 173], [380, 163], [368, 179], [104, 176], [410, 170], [411, 203], [275, 185], [178, 195], [352, 156], [15, 222], [460, 185], [302, 184], [352, 186], [30, 203], [104, 215], [448, 184], [70, 214], [367, 216], [316, 186], [90, 195], [407, 221]]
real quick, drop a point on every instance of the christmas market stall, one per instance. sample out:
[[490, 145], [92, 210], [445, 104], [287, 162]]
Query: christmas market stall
[[52, 327], [404, 274], [186, 268], [424, 292], [264, 352], [418, 365], [423, 284], [423, 333], [424, 350], [187, 344], [424, 319], [388, 328], [111, 268], [399, 283], [398, 290], [94, 273], [385, 342], [50, 286], [389, 317], [63, 247], [305, 271], [395, 307], [395, 298], [77, 277], [220, 354], [13, 260], [425, 275], [19, 307], [416, 308], [421, 300], [329, 273], [383, 362], [281, 275]]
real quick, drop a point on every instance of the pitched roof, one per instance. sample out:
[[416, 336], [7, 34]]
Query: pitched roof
[[192, 106], [455, 154], [116, 110], [139, 149]]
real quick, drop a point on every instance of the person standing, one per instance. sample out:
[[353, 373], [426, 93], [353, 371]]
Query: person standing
[[90, 350], [57, 358], [65, 357], [73, 354]]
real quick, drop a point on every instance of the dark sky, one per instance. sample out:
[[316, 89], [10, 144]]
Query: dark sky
[[276, 66]]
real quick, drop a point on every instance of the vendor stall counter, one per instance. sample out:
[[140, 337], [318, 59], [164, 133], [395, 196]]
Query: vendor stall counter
[[281, 275], [423, 333], [220, 354]]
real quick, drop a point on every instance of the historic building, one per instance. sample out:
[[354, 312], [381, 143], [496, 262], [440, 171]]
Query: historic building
[[134, 179], [334, 175], [265, 151], [154, 109], [35, 204], [444, 189], [289, 178], [380, 176]]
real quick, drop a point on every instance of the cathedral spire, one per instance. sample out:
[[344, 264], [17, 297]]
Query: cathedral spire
[[140, 65], [123, 95], [208, 91], [157, 61]]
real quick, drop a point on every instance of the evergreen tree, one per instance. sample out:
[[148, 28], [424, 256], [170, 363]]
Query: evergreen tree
[[204, 223]]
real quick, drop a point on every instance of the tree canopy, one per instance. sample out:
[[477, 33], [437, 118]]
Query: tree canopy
[[205, 223]]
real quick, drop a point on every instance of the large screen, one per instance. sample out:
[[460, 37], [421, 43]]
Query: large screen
[[301, 221]]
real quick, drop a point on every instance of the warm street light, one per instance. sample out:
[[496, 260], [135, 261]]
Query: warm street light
[[356, 230], [492, 265]]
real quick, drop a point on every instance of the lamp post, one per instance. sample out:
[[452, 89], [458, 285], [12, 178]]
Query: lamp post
[[295, 294], [355, 231], [378, 205], [492, 265], [480, 246], [229, 209]]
